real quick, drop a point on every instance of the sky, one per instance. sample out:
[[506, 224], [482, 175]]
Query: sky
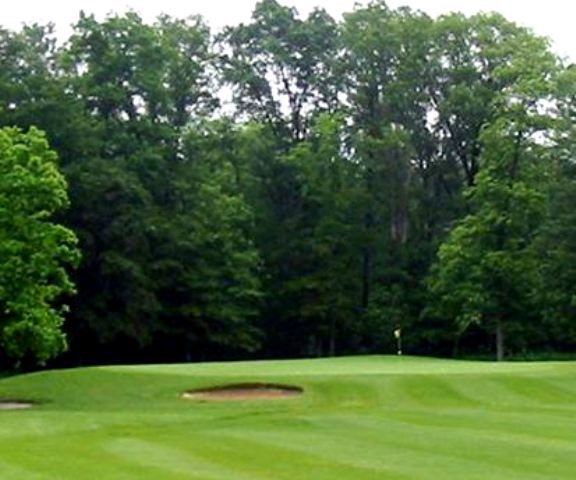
[[552, 18]]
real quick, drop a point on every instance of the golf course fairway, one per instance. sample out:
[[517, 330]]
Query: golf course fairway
[[357, 418]]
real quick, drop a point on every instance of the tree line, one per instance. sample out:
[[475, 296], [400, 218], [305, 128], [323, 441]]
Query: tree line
[[292, 186]]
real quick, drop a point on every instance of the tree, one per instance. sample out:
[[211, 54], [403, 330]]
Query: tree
[[486, 272], [389, 63], [317, 256], [210, 285], [308, 220], [283, 69], [140, 85], [114, 217], [34, 250], [556, 244], [556, 249], [33, 91]]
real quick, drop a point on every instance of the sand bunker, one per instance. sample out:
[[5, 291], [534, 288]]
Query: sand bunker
[[244, 391], [14, 405]]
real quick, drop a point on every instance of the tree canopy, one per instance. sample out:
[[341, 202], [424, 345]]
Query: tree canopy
[[296, 185], [34, 249]]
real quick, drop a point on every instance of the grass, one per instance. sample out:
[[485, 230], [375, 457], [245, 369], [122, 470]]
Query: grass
[[360, 418]]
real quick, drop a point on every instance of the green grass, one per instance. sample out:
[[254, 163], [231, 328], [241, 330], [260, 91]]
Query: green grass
[[360, 418]]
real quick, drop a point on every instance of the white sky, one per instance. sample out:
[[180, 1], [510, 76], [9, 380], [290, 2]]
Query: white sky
[[552, 18]]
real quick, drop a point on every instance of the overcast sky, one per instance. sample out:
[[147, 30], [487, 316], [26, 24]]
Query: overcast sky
[[551, 18]]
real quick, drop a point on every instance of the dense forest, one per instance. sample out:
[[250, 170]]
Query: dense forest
[[287, 187]]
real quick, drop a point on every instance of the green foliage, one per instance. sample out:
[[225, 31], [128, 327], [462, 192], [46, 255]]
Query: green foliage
[[283, 68], [321, 289], [216, 272], [308, 221], [486, 271], [34, 250], [163, 235], [114, 218], [556, 244], [556, 250]]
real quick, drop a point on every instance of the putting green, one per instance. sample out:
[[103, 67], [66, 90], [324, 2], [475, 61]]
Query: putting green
[[359, 418]]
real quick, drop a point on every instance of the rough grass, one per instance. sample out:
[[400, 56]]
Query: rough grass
[[360, 418]]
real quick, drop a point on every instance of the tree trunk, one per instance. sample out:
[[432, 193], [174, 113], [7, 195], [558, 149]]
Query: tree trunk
[[366, 278], [456, 347], [332, 339], [499, 340]]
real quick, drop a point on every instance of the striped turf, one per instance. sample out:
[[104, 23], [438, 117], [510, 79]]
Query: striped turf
[[360, 418]]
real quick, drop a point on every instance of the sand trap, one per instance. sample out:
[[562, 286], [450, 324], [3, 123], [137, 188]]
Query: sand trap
[[14, 405], [244, 391]]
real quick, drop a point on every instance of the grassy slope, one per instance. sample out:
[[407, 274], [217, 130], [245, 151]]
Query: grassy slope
[[361, 418]]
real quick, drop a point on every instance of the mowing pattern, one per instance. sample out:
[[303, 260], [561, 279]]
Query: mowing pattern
[[361, 418]]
